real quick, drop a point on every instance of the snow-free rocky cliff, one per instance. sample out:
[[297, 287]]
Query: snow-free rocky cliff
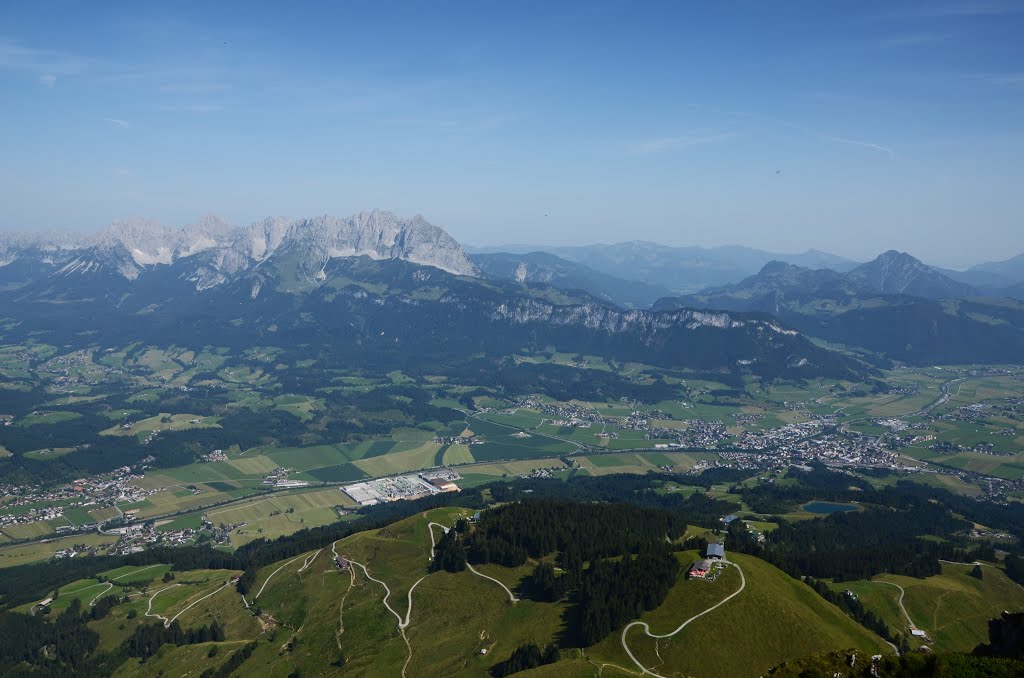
[[212, 251]]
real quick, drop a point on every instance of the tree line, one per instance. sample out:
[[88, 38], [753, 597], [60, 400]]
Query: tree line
[[535, 528], [30, 646], [525, 657]]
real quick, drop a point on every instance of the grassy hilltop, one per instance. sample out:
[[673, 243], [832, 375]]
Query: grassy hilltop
[[306, 614]]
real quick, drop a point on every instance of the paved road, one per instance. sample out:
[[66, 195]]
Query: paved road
[[647, 629], [943, 398]]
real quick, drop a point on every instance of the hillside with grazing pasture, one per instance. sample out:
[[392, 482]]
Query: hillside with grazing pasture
[[775, 617], [536, 584], [953, 608]]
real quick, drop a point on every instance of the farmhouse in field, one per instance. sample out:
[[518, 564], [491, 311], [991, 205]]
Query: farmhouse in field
[[700, 569], [716, 551]]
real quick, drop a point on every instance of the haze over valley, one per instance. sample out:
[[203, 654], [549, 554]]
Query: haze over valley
[[748, 401]]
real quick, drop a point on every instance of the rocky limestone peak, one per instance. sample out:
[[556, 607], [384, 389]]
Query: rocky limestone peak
[[207, 232], [137, 243], [256, 241], [379, 235], [146, 240], [210, 226]]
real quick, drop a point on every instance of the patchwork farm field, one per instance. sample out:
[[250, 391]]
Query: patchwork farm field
[[24, 554], [420, 457], [280, 514]]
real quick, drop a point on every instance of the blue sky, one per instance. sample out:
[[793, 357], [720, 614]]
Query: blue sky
[[851, 127]]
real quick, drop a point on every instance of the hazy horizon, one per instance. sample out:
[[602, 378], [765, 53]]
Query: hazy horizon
[[511, 247], [847, 129]]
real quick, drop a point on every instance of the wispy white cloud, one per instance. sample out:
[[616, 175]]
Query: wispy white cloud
[[872, 145], [865, 144], [678, 143], [48, 64], [123, 124]]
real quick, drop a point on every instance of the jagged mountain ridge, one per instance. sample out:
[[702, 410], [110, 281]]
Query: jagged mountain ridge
[[218, 251]]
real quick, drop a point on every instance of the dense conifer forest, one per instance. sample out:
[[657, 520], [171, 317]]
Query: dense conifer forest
[[577, 532]]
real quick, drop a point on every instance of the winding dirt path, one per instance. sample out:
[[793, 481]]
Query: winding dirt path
[[647, 629], [92, 603], [511, 596], [403, 622], [272, 576], [309, 561], [899, 601], [149, 605], [168, 622], [433, 545], [341, 606]]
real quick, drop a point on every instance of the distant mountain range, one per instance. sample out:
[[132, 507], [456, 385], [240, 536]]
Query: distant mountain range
[[372, 289], [895, 306], [1007, 274], [686, 270], [679, 269], [263, 274], [218, 252]]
